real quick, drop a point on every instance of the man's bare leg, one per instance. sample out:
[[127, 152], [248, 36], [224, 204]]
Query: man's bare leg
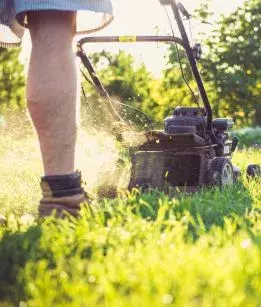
[[52, 87], [51, 95]]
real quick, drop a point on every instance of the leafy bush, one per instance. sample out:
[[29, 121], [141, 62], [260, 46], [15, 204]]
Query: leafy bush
[[248, 136]]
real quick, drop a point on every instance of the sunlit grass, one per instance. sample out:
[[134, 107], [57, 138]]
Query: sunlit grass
[[139, 249]]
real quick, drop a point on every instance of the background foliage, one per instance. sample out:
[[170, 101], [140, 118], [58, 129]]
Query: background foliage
[[12, 81], [231, 68]]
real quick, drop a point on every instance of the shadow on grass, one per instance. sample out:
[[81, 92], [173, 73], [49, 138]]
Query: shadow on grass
[[15, 250]]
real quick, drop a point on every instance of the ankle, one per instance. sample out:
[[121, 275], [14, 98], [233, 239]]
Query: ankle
[[61, 193], [62, 185]]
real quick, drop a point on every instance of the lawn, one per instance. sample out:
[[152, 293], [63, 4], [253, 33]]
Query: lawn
[[135, 250]]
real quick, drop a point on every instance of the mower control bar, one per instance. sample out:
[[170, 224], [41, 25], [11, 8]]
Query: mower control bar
[[130, 39]]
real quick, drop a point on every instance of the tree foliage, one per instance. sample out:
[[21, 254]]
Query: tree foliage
[[120, 76], [232, 65]]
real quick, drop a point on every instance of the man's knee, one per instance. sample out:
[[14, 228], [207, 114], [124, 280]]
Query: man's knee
[[51, 24]]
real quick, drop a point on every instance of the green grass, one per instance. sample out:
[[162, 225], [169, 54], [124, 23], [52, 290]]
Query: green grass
[[136, 250]]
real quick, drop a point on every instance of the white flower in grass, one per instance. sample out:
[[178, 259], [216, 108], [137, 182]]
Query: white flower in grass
[[167, 299], [245, 243]]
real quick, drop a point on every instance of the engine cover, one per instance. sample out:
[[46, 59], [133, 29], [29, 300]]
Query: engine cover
[[186, 120]]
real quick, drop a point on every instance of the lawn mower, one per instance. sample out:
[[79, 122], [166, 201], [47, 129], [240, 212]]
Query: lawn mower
[[193, 150]]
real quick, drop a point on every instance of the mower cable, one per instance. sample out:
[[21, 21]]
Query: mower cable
[[190, 30], [95, 117], [89, 81]]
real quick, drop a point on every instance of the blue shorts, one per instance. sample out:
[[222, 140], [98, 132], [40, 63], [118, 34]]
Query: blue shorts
[[92, 15]]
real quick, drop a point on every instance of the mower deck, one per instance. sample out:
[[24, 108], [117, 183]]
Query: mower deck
[[177, 160]]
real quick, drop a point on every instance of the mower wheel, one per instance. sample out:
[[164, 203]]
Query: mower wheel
[[221, 172], [253, 171]]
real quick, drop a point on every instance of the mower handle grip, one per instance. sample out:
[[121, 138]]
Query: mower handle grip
[[183, 10], [166, 2], [180, 6]]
